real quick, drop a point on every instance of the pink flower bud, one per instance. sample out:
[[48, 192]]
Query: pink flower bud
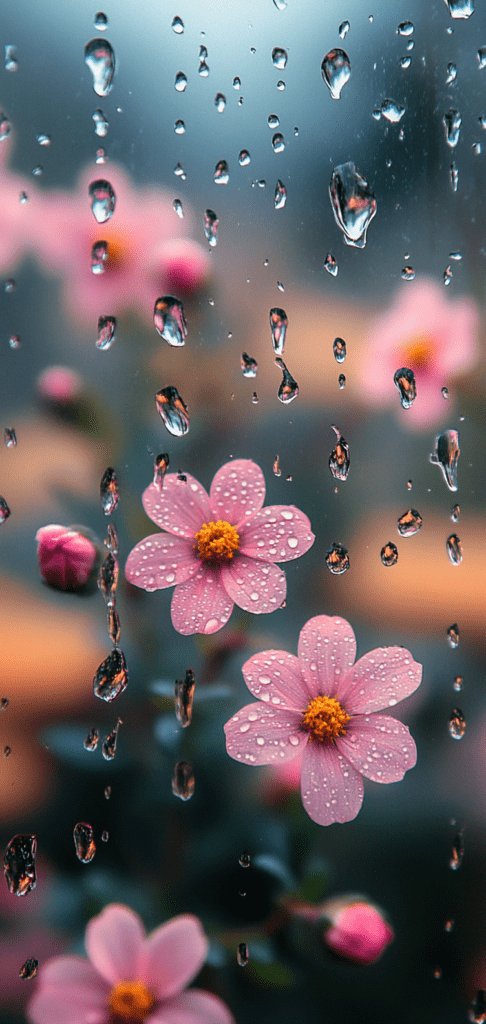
[[357, 930], [60, 385], [66, 557], [186, 265]]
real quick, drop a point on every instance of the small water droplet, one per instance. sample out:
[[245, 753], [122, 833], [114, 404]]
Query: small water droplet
[[389, 554], [458, 684], [455, 513], [5, 127], [7, 751], [438, 973], [278, 325], [405, 28], [113, 624], [10, 437], [183, 780], [178, 208], [4, 702], [220, 102], [392, 111], [353, 203], [454, 549], [344, 29], [276, 466], [447, 278], [409, 485], [203, 69], [248, 365], [19, 864], [180, 82], [29, 969], [236, 83], [99, 255], [453, 635], [110, 743], [103, 200], [100, 21], [11, 62], [38, 170], [109, 491], [454, 176], [221, 173], [460, 8], [405, 62], [457, 724], [179, 127], [107, 792], [254, 398], [100, 58], [100, 123], [177, 25], [331, 265], [111, 678], [161, 465], [451, 74], [409, 523], [84, 843], [211, 225], [23, 198], [339, 459], [452, 121], [337, 559], [4, 510], [339, 349], [278, 143], [242, 954], [92, 739], [105, 836], [106, 332], [173, 410], [108, 578], [408, 274], [279, 57], [280, 85], [169, 320], [289, 389], [404, 380], [336, 70], [457, 852], [446, 455], [449, 926], [9, 285], [184, 697], [280, 197], [342, 381], [244, 158]]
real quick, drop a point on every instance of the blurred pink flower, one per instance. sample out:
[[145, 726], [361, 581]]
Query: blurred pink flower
[[146, 254], [428, 333], [67, 559], [129, 977], [59, 385], [321, 705], [16, 212], [354, 928], [219, 549]]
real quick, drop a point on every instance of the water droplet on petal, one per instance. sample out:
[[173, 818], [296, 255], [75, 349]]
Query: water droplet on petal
[[248, 365], [457, 724], [457, 853], [177, 25], [92, 739], [221, 173], [353, 203], [103, 200], [100, 58], [184, 697], [409, 523], [279, 57], [111, 678], [109, 491], [84, 842], [337, 559], [183, 780], [404, 380], [460, 8], [389, 554], [242, 954], [289, 389], [29, 969], [220, 102], [110, 743], [19, 864], [331, 265], [392, 111], [4, 510], [278, 325], [446, 455], [336, 70], [173, 410], [339, 349], [454, 549], [339, 459], [170, 321], [106, 332]]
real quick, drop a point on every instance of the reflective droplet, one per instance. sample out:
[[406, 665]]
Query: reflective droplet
[[100, 21], [248, 365], [203, 69], [107, 792], [11, 62], [454, 549], [103, 200], [4, 510], [99, 255], [457, 724], [409, 523], [408, 274], [339, 459], [4, 702], [180, 82], [113, 625], [179, 127], [404, 380], [444, 392], [108, 578], [455, 513], [244, 860], [447, 276], [278, 325], [331, 265], [19, 864], [279, 57], [276, 467], [7, 751], [336, 70], [392, 111], [84, 843], [105, 836], [452, 121], [457, 684], [183, 780], [242, 954], [446, 456], [211, 225], [23, 198], [173, 411], [111, 678], [178, 208], [339, 349], [280, 4], [343, 29], [236, 83], [29, 969], [180, 172], [457, 853], [254, 398], [109, 491], [170, 321], [184, 697], [405, 28], [460, 8], [161, 465], [220, 102], [37, 171], [221, 173], [453, 635], [405, 62], [451, 74], [337, 559], [477, 1009], [14, 341], [280, 86], [177, 25], [92, 739], [100, 123], [353, 203], [100, 58], [111, 539], [342, 381], [106, 332], [389, 554], [244, 158], [5, 127], [273, 121], [454, 176], [280, 197], [289, 389], [110, 743], [10, 437], [278, 143]]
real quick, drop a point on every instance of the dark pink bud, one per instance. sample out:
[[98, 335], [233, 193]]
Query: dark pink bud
[[66, 558], [357, 929]]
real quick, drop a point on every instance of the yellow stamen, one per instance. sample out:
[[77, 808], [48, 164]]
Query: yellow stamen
[[324, 719], [419, 352], [130, 1002], [217, 542]]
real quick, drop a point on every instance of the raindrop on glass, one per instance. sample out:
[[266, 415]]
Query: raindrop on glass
[[111, 678], [29, 969], [454, 176], [107, 792], [161, 465], [454, 549], [242, 954], [447, 277], [5, 127], [184, 698], [451, 74], [106, 332], [100, 123], [289, 389], [339, 459], [99, 255], [408, 274], [254, 398], [243, 158], [453, 635], [336, 70], [100, 21], [11, 62], [244, 860], [108, 578], [109, 491], [446, 455], [444, 392], [389, 554], [279, 57], [342, 381], [10, 437], [170, 321], [339, 349], [457, 852], [452, 121], [278, 325], [409, 523], [221, 173], [236, 83], [353, 203], [344, 29], [110, 743], [220, 102], [211, 224], [9, 285], [278, 142], [280, 197], [273, 121], [19, 864], [455, 513], [460, 8], [179, 127], [113, 625], [105, 836], [177, 25], [178, 208], [337, 559], [280, 85], [405, 28], [248, 365], [331, 265], [457, 724], [173, 410], [180, 172], [92, 739], [405, 62], [102, 199], [180, 82], [404, 380], [100, 58], [276, 467], [203, 69], [183, 780], [392, 111], [84, 843], [4, 510]]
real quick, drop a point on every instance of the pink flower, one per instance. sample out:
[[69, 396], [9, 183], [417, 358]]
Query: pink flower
[[59, 385], [429, 334], [219, 549], [357, 929], [146, 256], [129, 977], [66, 557], [321, 705], [15, 216]]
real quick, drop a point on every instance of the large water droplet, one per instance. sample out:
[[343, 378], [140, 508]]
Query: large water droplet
[[289, 389], [109, 491], [19, 864], [184, 697], [248, 365], [173, 410], [100, 58], [409, 523], [452, 122], [110, 743], [278, 325], [183, 780], [99, 256], [221, 173], [278, 142], [111, 678], [100, 123], [453, 635], [339, 460], [457, 724], [84, 843], [404, 380], [279, 57], [457, 852], [392, 111], [405, 28], [108, 578], [242, 954], [100, 21], [460, 8], [106, 332], [29, 969], [337, 559], [336, 70], [454, 549], [170, 321], [177, 25], [180, 81], [446, 456], [102, 199], [389, 554], [353, 203], [339, 349], [92, 739], [280, 197]]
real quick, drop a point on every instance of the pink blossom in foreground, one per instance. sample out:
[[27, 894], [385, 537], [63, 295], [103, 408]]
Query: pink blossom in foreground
[[428, 333], [59, 385], [354, 928], [66, 557], [219, 549], [129, 977], [321, 706]]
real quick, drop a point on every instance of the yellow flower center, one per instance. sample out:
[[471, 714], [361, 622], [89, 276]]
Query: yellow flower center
[[130, 1002], [217, 542], [324, 719], [419, 352]]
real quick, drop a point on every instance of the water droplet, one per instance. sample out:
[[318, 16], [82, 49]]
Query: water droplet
[[183, 780], [408, 274], [404, 380], [280, 85], [353, 203], [454, 176], [337, 559], [9, 285], [23, 198], [244, 158], [280, 197], [457, 724], [455, 513], [99, 255], [211, 224], [438, 973], [173, 410], [180, 172], [236, 83], [276, 467], [273, 121], [179, 127], [405, 62], [184, 697], [331, 265], [477, 1009], [409, 523], [458, 684], [19, 864], [100, 123], [279, 57], [109, 491], [10, 437], [84, 843], [392, 111], [278, 325], [460, 8], [92, 739], [221, 173], [111, 678], [203, 69], [344, 29], [449, 927], [453, 635], [4, 702], [389, 554], [242, 954], [254, 398], [220, 102], [452, 121], [108, 578], [446, 456], [454, 549], [29, 969], [457, 853], [248, 365], [278, 143], [11, 62], [177, 25], [405, 28], [161, 465], [178, 208], [451, 74], [106, 332], [180, 82], [107, 792], [444, 392], [110, 743], [170, 321], [336, 70], [5, 127], [339, 460], [7, 751], [289, 389], [447, 278], [280, 4], [113, 625], [4, 510], [38, 170], [280, 286], [339, 349], [100, 58], [100, 21], [103, 200]]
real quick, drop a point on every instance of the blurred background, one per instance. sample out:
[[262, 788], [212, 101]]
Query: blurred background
[[414, 297]]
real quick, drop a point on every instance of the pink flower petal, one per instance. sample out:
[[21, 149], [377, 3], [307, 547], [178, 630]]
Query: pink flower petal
[[327, 649], [202, 604], [278, 533], [237, 491], [160, 561], [275, 677], [258, 587], [114, 943], [380, 679], [174, 954], [259, 734], [379, 747], [180, 507], [193, 1007], [331, 788], [70, 991]]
